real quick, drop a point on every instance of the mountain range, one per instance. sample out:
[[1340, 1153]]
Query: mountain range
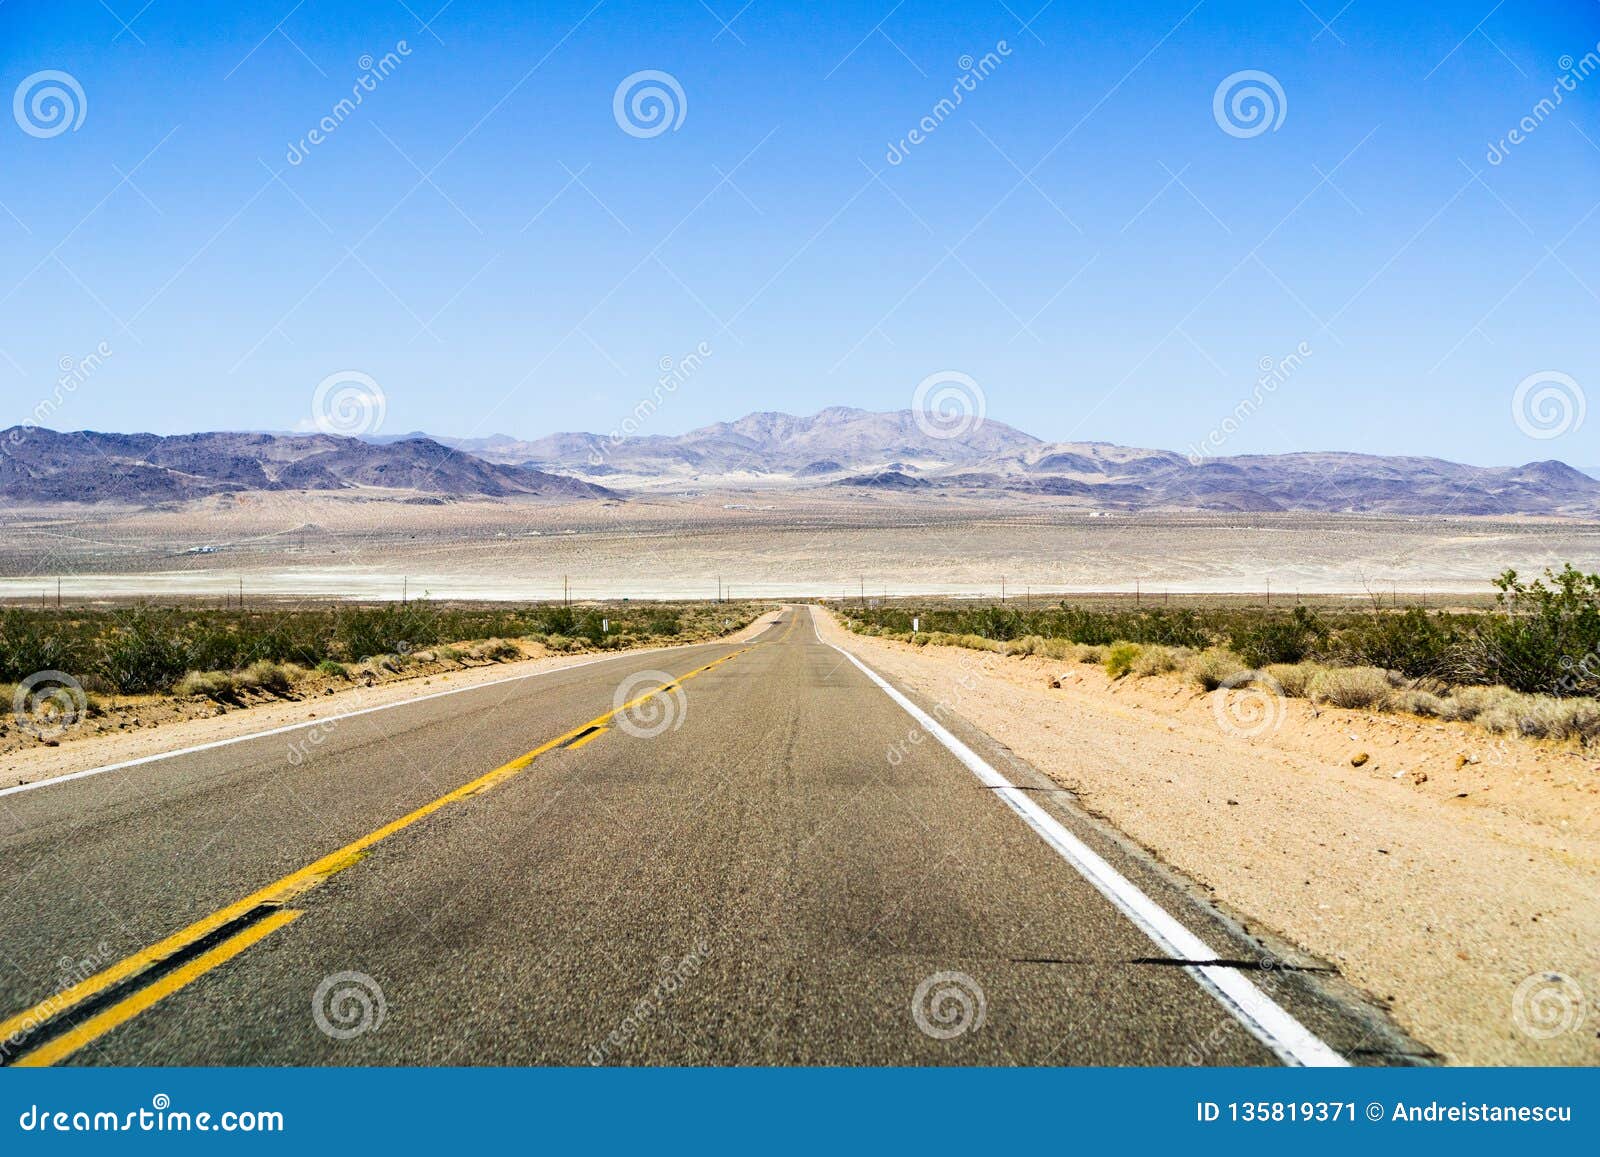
[[38, 465], [839, 452]]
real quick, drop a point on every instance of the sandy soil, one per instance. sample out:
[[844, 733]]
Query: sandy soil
[[342, 545], [1448, 869], [161, 724]]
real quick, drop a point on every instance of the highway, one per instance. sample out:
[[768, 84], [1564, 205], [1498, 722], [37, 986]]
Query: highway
[[764, 857]]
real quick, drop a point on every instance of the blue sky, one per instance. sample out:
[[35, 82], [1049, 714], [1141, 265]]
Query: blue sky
[[1080, 236]]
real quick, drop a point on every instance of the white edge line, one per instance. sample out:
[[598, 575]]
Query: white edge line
[[325, 720], [1269, 1022]]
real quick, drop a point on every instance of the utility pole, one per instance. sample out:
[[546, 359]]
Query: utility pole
[[566, 592], [404, 583], [863, 590], [1269, 592], [1138, 593], [241, 592], [1002, 588], [58, 592]]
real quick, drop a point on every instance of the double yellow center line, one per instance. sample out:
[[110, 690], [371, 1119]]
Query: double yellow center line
[[64, 1023]]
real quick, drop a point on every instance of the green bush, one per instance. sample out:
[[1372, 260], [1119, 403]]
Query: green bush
[[1119, 659], [1270, 639]]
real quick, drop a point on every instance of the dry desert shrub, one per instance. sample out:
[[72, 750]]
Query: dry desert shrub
[[1351, 687], [1420, 702], [1154, 659], [1467, 703], [265, 675], [1295, 678], [1214, 666], [218, 685]]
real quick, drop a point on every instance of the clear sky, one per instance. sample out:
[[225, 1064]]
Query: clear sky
[[1107, 252]]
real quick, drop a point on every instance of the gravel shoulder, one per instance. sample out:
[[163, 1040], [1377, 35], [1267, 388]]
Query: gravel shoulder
[[1449, 875]]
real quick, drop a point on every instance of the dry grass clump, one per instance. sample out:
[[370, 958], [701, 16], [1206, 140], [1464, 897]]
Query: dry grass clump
[[1420, 702], [218, 685], [265, 675], [1214, 666], [1467, 703], [1507, 712], [1154, 659], [1351, 687], [1295, 678]]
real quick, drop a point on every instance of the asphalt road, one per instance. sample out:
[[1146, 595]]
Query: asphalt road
[[767, 861]]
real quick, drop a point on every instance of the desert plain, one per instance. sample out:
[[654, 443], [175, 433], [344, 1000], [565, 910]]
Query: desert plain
[[373, 545]]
